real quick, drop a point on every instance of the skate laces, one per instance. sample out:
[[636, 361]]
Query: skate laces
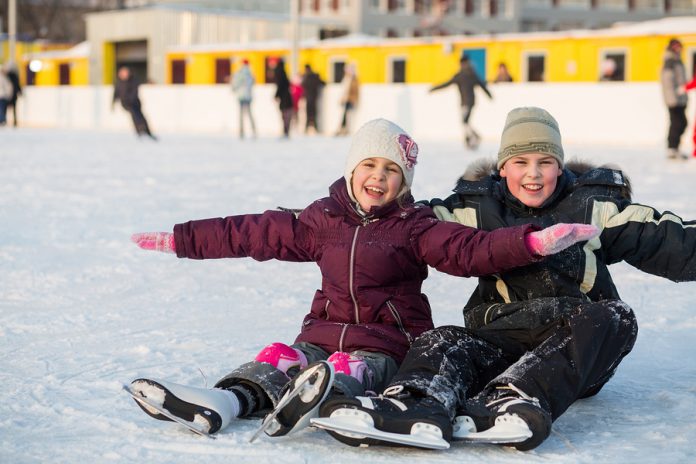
[[513, 394], [395, 391]]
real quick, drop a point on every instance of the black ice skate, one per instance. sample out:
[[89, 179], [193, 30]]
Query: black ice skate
[[392, 420], [509, 417], [299, 401], [201, 410]]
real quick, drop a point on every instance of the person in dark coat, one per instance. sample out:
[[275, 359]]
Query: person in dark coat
[[672, 81], [373, 246], [466, 81], [538, 337], [5, 94], [13, 77], [283, 96], [311, 85], [126, 90]]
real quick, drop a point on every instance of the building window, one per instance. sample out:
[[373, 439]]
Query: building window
[[31, 75], [469, 7], [270, 64], [331, 33], [391, 33], [64, 73], [338, 69], [395, 5], [492, 8], [397, 70], [422, 7], [222, 70], [536, 67], [178, 71], [613, 66]]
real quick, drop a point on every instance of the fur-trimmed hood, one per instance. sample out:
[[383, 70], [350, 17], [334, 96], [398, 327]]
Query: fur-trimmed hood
[[483, 167]]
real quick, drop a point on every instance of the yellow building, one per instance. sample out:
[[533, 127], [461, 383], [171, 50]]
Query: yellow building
[[635, 53]]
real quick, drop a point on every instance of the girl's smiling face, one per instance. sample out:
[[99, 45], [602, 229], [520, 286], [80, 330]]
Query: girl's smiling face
[[376, 181], [531, 177]]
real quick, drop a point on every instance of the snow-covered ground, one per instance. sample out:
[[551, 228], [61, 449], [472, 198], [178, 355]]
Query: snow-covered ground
[[83, 310]]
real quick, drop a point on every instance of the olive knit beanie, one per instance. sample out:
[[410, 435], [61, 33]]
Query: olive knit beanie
[[530, 130]]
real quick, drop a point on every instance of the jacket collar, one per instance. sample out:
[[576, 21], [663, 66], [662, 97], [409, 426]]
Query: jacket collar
[[342, 204]]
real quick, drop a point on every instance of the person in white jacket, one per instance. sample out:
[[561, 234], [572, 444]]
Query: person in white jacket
[[242, 85]]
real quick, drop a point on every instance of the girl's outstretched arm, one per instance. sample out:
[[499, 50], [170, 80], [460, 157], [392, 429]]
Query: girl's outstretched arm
[[155, 241]]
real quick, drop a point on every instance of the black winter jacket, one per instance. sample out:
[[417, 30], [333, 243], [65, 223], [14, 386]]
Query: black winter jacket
[[466, 80], [658, 243], [127, 91]]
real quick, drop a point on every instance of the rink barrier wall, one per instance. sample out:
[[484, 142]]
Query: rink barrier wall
[[611, 113]]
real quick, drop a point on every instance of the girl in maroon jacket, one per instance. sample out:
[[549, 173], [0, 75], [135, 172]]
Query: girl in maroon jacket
[[373, 246]]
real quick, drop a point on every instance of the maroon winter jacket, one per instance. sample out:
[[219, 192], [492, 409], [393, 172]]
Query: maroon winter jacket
[[372, 268]]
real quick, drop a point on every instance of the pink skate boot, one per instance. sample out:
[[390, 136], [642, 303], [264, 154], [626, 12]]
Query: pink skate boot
[[282, 357]]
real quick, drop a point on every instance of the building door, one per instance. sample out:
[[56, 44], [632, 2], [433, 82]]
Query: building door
[[64, 73], [133, 54], [477, 58], [222, 70], [178, 71]]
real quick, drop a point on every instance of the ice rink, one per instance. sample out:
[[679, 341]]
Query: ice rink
[[83, 310]]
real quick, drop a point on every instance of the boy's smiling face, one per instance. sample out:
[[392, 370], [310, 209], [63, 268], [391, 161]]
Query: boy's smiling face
[[531, 177], [376, 181]]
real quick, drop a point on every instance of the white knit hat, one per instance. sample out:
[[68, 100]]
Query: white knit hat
[[380, 138], [527, 130]]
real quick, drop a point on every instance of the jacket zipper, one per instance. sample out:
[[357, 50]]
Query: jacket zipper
[[340, 339], [351, 276], [326, 308], [399, 322]]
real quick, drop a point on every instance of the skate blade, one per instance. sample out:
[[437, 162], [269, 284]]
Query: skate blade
[[308, 385], [422, 435], [507, 429], [151, 406]]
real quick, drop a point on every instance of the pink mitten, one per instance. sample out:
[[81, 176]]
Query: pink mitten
[[558, 237], [156, 241]]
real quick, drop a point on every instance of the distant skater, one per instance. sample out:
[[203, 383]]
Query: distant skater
[[466, 80], [673, 80], [126, 90], [311, 86], [242, 85]]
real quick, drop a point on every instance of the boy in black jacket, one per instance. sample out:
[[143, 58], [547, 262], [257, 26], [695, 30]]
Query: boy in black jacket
[[539, 337]]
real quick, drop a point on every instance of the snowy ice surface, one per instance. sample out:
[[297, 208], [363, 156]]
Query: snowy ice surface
[[83, 310]]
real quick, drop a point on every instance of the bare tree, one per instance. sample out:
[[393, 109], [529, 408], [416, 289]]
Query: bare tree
[[55, 20]]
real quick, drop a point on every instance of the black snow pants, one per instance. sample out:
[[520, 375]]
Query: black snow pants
[[555, 349], [139, 121], [677, 126]]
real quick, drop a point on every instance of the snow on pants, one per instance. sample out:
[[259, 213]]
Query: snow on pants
[[555, 349], [268, 381]]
